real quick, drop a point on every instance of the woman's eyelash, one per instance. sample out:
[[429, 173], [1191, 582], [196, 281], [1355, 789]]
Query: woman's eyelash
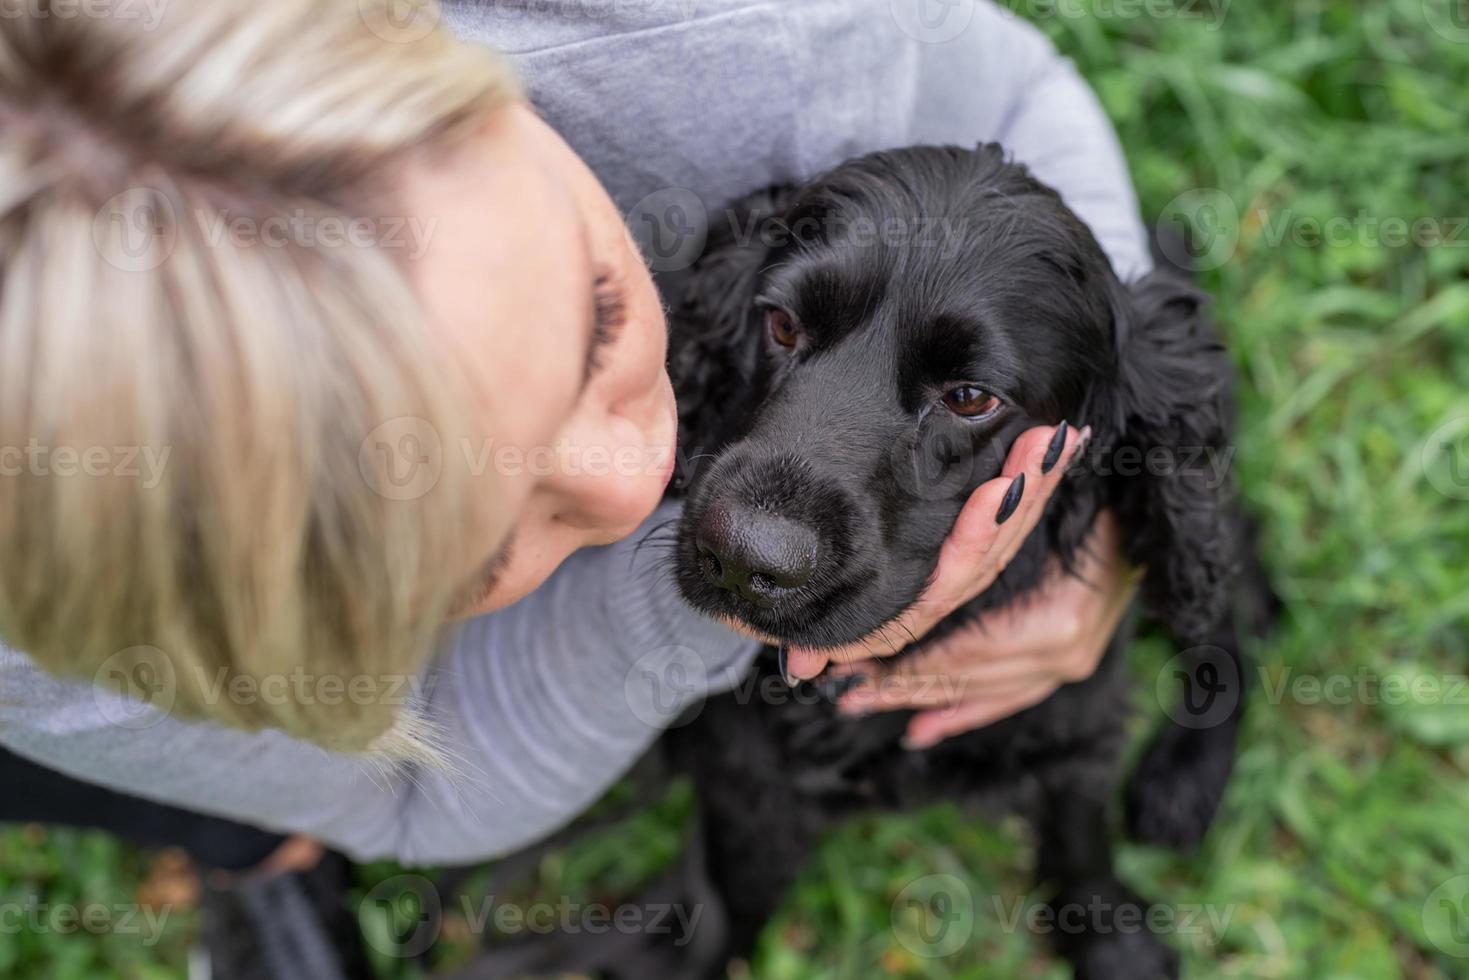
[[609, 311]]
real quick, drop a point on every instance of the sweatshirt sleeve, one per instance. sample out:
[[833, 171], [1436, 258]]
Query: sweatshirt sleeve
[[541, 707], [1000, 79]]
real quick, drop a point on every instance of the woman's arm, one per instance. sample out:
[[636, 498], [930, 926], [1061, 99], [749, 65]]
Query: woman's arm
[[1001, 80], [542, 706]]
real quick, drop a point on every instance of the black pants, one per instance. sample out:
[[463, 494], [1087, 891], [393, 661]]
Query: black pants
[[34, 794]]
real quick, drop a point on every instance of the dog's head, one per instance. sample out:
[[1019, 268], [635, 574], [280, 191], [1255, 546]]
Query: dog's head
[[864, 349]]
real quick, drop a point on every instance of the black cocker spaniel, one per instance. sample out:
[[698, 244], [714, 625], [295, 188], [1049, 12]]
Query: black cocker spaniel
[[856, 355]]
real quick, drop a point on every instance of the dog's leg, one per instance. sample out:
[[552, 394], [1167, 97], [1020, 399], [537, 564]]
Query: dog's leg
[[1097, 921], [1180, 780]]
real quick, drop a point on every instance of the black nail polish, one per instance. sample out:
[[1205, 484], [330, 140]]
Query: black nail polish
[[785, 668], [1053, 451], [1012, 500]]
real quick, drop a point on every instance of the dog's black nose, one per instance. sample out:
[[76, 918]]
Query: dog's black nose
[[757, 555]]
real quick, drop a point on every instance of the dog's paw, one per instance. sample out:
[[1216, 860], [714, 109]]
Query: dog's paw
[[1126, 956], [1176, 788]]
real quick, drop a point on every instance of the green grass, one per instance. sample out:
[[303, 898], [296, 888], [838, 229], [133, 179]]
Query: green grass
[[1345, 813]]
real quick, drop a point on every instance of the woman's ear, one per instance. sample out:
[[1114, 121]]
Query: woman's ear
[[1170, 422], [715, 340]]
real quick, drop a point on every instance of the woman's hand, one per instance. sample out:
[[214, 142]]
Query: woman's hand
[[1012, 658]]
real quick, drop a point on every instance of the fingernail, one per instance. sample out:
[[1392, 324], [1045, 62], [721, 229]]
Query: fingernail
[[1081, 444], [1080, 450], [1053, 451], [911, 744], [1012, 500], [785, 668]]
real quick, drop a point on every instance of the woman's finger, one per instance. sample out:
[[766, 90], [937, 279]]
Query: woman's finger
[[899, 689], [994, 522], [928, 728]]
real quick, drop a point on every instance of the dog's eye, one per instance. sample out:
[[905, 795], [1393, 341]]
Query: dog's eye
[[782, 328], [970, 402]]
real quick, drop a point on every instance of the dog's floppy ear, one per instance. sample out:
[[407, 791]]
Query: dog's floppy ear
[[715, 339], [1169, 449]]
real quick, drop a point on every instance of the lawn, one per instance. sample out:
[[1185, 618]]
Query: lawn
[[1320, 151]]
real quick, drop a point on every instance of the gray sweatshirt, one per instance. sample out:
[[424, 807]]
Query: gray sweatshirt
[[679, 106]]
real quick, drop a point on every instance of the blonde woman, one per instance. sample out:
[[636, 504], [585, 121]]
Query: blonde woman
[[207, 253]]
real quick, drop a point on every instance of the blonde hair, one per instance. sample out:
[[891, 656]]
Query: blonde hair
[[261, 539]]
